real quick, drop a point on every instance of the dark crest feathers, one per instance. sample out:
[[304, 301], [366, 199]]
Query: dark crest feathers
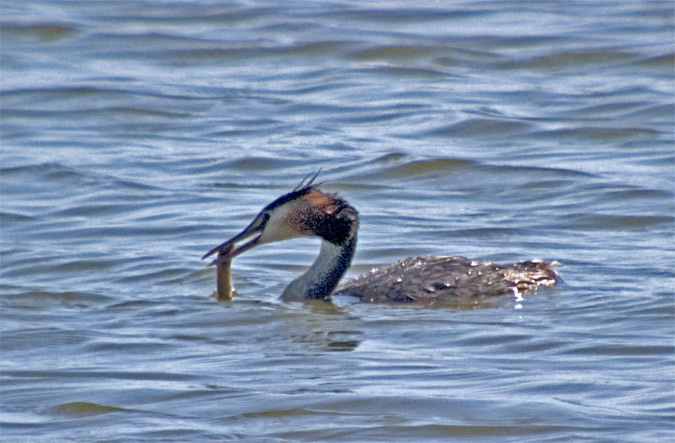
[[308, 181]]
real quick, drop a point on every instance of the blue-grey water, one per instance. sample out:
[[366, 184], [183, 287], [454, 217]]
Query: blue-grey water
[[136, 135]]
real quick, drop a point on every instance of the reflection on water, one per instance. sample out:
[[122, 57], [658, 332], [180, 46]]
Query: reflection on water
[[137, 134]]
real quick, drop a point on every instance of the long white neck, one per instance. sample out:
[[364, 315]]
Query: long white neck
[[323, 276]]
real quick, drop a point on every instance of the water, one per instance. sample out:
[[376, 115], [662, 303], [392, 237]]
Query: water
[[137, 135]]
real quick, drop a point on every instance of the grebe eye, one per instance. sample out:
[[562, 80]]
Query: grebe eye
[[265, 217]]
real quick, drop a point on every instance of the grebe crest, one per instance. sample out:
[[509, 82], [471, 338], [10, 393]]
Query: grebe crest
[[308, 212]]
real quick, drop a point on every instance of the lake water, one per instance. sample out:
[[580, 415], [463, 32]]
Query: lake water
[[136, 135]]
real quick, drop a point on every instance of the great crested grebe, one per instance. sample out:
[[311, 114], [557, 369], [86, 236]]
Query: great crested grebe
[[308, 212]]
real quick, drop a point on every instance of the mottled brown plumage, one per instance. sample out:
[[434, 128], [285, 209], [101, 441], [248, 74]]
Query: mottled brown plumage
[[426, 279]]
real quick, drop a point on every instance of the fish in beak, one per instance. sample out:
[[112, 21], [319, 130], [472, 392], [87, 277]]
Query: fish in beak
[[224, 289]]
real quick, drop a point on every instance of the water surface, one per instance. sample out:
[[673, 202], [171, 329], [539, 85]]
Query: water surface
[[136, 135]]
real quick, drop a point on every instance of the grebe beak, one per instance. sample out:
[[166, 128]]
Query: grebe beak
[[255, 229]]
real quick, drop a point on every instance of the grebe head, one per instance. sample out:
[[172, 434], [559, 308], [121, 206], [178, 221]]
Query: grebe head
[[304, 212]]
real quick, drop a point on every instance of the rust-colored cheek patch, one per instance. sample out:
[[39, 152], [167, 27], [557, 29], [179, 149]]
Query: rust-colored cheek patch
[[321, 200]]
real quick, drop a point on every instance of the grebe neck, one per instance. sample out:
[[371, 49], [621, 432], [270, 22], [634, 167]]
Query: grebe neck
[[324, 275]]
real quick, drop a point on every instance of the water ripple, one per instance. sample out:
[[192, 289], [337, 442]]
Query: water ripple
[[137, 135]]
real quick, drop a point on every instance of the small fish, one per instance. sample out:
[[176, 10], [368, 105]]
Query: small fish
[[224, 290]]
